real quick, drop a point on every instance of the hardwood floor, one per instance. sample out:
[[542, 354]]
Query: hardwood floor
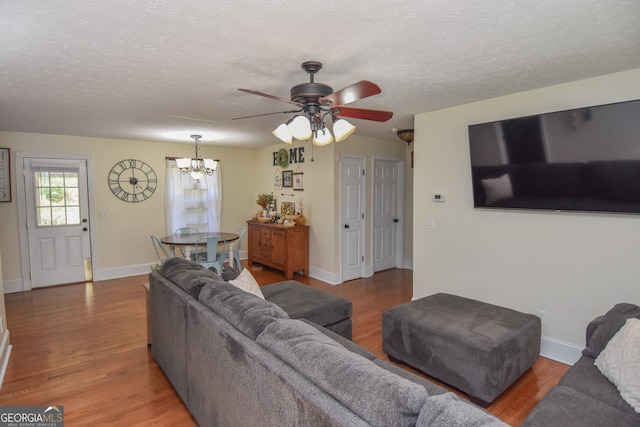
[[83, 347]]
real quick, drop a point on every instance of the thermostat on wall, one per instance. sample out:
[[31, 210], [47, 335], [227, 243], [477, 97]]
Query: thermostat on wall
[[438, 197]]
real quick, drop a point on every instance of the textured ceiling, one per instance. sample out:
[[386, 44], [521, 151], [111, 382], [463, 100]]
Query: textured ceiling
[[162, 70]]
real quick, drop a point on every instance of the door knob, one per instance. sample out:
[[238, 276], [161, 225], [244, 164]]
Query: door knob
[[346, 226], [395, 219], [84, 220], [84, 228]]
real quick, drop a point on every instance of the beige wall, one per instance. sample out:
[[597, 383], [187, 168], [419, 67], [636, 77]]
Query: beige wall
[[573, 266], [321, 193], [122, 239]]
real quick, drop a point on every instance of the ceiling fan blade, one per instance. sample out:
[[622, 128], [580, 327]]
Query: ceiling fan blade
[[266, 95], [362, 113], [266, 114], [356, 91]]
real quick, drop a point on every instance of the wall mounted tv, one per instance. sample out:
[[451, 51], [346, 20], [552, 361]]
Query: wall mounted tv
[[586, 159]]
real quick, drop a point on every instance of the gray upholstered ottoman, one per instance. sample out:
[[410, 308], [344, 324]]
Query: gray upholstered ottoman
[[476, 347], [300, 301]]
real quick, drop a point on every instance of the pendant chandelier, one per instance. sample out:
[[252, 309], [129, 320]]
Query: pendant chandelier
[[196, 167], [311, 125]]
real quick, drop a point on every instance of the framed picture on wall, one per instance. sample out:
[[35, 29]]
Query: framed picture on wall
[[277, 181], [297, 181], [287, 179], [5, 176], [287, 208]]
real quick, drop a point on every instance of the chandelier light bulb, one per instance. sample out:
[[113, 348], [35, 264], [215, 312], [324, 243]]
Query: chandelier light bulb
[[323, 137], [300, 128], [283, 134], [196, 167], [342, 129]]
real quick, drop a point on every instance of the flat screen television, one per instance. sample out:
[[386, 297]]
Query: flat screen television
[[585, 159]]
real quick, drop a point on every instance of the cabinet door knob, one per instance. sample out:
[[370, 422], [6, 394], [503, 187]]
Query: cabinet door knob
[[346, 226]]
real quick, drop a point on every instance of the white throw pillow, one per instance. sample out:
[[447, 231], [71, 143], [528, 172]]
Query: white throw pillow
[[497, 188], [247, 282], [620, 362]]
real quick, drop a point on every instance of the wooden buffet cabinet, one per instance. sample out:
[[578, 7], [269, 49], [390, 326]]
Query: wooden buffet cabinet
[[282, 248]]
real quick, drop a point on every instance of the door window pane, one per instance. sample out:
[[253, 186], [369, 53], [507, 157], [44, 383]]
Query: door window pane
[[57, 197]]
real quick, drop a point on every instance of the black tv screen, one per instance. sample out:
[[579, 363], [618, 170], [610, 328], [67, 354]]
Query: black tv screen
[[586, 159]]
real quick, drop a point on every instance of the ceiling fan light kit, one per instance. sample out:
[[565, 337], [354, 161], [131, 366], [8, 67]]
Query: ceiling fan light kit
[[196, 167], [317, 102]]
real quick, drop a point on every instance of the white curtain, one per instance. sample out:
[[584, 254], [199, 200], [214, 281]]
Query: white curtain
[[191, 203]]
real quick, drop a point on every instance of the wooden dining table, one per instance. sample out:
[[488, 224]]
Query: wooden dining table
[[187, 241]]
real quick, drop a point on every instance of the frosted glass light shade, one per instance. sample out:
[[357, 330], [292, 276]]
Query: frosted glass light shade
[[196, 174], [342, 129], [183, 163], [283, 134], [210, 164], [323, 137], [300, 128]]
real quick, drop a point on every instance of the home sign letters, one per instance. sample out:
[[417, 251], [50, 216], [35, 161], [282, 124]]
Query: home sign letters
[[296, 155]]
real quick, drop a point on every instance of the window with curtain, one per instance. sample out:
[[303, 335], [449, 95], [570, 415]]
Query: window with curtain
[[192, 203]]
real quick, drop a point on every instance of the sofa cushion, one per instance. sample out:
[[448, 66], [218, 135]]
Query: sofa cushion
[[346, 343], [614, 180], [378, 396], [611, 323], [497, 188], [302, 301], [248, 313], [563, 406], [620, 362], [449, 410], [188, 275], [229, 273], [549, 180], [246, 282], [584, 377]]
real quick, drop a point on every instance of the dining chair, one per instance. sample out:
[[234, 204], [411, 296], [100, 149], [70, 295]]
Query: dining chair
[[185, 230], [162, 252], [224, 253], [209, 258]]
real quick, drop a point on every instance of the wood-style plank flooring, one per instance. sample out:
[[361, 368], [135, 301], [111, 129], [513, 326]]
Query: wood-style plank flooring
[[83, 346]]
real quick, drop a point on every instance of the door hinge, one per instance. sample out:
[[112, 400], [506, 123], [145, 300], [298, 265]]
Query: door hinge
[[362, 172], [362, 258], [362, 215]]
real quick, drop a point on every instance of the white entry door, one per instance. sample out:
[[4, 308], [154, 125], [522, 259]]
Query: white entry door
[[57, 211], [386, 207], [352, 213]]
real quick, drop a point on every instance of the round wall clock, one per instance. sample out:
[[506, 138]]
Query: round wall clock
[[132, 180], [283, 158]]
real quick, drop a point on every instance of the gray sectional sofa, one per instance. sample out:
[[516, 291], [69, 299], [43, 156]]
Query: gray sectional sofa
[[238, 360], [584, 396]]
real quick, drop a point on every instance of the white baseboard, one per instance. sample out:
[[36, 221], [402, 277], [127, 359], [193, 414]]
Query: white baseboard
[[5, 352], [11, 286], [560, 351], [325, 276], [118, 272]]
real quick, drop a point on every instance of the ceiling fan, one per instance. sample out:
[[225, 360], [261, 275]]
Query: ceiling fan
[[317, 102]]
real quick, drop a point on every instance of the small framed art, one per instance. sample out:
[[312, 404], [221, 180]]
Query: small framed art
[[287, 179], [297, 181], [287, 208], [277, 182], [5, 176]]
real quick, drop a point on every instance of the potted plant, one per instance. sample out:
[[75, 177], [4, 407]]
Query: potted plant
[[263, 201]]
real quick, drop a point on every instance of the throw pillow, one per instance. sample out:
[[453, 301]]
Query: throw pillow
[[497, 188], [620, 362], [229, 273], [247, 282], [610, 324]]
